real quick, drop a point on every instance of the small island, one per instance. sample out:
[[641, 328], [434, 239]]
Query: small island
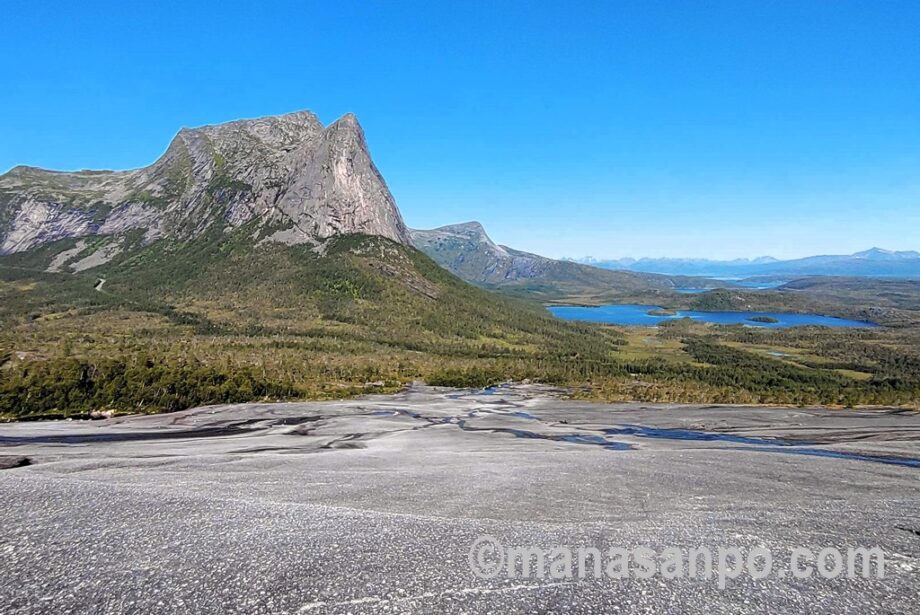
[[764, 319], [662, 312]]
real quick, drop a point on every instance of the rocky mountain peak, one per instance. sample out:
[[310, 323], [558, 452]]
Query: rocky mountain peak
[[297, 180], [465, 228], [882, 254], [462, 248]]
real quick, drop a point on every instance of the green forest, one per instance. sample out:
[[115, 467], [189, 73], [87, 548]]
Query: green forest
[[225, 319]]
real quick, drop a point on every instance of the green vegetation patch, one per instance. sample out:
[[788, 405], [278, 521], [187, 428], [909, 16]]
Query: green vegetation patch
[[221, 319]]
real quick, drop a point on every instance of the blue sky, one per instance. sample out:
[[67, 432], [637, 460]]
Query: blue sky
[[645, 128]]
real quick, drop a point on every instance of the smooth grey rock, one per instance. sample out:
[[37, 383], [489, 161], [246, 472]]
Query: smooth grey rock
[[372, 505]]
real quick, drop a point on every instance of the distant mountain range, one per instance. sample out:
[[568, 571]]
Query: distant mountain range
[[874, 262]]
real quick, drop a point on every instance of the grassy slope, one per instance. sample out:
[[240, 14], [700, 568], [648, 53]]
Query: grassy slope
[[222, 320], [293, 322], [361, 288]]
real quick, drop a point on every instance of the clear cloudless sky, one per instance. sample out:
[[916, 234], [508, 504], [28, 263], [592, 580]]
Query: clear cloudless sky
[[712, 128]]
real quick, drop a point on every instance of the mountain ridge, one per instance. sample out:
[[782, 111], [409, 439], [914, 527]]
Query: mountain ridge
[[872, 262], [303, 181], [467, 251]]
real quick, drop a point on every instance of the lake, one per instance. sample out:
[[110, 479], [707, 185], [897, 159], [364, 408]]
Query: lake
[[746, 284], [638, 315]]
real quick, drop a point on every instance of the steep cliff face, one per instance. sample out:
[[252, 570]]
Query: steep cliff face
[[299, 181]]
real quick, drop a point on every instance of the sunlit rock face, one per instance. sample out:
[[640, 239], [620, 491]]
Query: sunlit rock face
[[289, 177]]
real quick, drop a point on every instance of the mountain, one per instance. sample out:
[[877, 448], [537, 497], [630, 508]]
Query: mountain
[[874, 262], [468, 252], [878, 254], [257, 259], [299, 181]]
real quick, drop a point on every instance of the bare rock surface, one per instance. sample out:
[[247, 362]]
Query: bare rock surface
[[289, 173], [371, 505]]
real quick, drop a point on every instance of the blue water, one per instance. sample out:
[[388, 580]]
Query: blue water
[[690, 434], [751, 285], [769, 445], [761, 285], [638, 315]]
